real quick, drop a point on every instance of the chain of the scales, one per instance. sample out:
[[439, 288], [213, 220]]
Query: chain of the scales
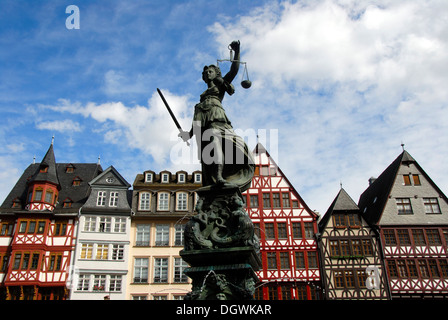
[[245, 82]]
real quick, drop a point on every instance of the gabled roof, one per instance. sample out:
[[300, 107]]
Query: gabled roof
[[373, 200], [260, 149], [111, 171], [342, 203]]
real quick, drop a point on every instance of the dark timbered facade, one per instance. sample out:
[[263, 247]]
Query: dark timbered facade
[[350, 252]]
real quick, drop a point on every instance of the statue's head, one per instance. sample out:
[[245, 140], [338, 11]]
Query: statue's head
[[205, 72]]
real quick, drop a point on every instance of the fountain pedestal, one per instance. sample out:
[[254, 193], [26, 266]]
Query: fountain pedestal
[[221, 247]]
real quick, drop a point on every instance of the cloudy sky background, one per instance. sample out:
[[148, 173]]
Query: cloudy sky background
[[341, 83]]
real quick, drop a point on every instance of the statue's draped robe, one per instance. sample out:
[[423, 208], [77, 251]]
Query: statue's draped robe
[[238, 163]]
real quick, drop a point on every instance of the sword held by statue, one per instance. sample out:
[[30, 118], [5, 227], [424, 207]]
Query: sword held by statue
[[171, 114]]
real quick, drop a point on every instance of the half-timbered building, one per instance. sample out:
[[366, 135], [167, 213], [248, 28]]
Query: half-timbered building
[[286, 228], [38, 228], [411, 213], [350, 253]]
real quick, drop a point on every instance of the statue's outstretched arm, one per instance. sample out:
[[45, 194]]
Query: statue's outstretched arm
[[235, 45]]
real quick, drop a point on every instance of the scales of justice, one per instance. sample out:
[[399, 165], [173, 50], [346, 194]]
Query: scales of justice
[[221, 247]]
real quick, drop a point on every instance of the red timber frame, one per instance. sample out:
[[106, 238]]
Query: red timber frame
[[40, 257], [286, 228], [416, 260]]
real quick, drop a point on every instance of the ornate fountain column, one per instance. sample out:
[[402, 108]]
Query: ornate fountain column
[[221, 247]]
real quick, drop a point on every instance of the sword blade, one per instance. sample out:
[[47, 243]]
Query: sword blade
[[171, 112]]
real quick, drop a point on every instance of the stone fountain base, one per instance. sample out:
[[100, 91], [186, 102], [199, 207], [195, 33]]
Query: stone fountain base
[[222, 274], [221, 247]]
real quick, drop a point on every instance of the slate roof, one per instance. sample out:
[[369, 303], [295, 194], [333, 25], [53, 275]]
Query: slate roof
[[48, 161], [380, 189], [373, 200], [343, 202], [77, 194]]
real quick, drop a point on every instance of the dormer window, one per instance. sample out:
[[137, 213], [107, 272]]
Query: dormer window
[[181, 178], [197, 178], [70, 169], [148, 177], [16, 203], [76, 182], [165, 177], [67, 203], [43, 169]]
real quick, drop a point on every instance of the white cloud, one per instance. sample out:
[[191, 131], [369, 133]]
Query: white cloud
[[65, 126], [345, 82], [149, 129]]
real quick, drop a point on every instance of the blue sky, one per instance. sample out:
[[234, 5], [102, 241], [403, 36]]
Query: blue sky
[[341, 83]]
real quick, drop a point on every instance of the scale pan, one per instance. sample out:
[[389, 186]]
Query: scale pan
[[246, 84]]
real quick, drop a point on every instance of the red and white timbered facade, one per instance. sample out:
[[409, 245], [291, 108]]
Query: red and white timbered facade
[[40, 251], [37, 232], [286, 228], [411, 213]]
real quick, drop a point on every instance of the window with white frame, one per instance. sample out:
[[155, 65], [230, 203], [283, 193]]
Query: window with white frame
[[163, 203], [113, 200], [145, 201], [101, 199], [160, 270], [179, 235], [117, 252], [197, 178], [120, 225], [179, 266], [105, 224], [141, 270], [181, 203], [115, 283], [142, 237], [148, 177], [162, 235], [86, 251], [99, 282], [181, 178], [165, 177], [83, 282], [102, 251], [90, 224]]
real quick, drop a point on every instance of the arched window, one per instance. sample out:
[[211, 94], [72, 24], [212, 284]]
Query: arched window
[[163, 201], [145, 201], [181, 201]]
